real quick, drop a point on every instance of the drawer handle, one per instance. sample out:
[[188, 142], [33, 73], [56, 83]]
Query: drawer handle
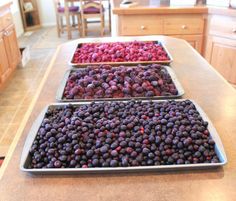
[[184, 27], [234, 30], [143, 27]]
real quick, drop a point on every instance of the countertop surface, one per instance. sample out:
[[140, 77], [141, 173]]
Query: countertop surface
[[164, 7], [201, 83], [4, 4]]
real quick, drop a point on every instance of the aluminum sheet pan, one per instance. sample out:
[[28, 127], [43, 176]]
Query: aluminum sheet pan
[[61, 88], [25, 157], [79, 65]]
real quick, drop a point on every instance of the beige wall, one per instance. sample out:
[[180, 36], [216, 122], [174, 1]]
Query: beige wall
[[46, 12]]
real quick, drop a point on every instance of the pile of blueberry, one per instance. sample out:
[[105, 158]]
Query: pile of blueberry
[[106, 81], [122, 134], [120, 52]]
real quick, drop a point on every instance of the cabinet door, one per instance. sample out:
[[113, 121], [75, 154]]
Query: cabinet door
[[221, 54], [5, 69], [12, 47]]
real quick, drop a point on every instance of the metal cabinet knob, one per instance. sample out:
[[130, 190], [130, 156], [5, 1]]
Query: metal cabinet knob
[[142, 27], [184, 27]]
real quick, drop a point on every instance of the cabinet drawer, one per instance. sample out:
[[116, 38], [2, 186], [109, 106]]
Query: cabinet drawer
[[6, 20], [186, 24], [140, 25], [222, 26]]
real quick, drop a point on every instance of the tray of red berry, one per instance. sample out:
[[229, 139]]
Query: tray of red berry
[[118, 53], [107, 82], [122, 136]]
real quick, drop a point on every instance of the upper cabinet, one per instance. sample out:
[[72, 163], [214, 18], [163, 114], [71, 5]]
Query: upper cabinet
[[220, 48]]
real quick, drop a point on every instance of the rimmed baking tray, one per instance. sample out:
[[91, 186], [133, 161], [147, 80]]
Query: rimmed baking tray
[[78, 65], [61, 88], [25, 157]]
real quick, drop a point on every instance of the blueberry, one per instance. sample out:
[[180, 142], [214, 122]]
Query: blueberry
[[57, 164], [113, 163], [95, 162], [145, 151], [104, 149], [114, 153], [89, 153], [124, 162], [123, 144]]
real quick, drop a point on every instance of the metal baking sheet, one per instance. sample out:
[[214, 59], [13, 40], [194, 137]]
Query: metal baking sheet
[[60, 91], [25, 157], [79, 65]]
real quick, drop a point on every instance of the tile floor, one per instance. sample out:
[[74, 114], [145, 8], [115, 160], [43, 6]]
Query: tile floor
[[16, 97]]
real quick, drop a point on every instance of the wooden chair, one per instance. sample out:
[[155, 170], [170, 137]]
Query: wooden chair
[[92, 9], [68, 11]]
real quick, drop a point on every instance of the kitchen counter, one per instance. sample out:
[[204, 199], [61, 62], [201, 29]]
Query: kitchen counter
[[201, 83], [164, 7], [4, 4], [155, 7], [230, 12]]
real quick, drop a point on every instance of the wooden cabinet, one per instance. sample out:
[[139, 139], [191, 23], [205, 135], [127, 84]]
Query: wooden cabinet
[[11, 45], [196, 41], [221, 54], [189, 27], [220, 48], [5, 69], [9, 51]]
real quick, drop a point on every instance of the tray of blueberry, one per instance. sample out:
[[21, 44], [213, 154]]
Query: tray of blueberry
[[122, 136], [106, 82], [128, 52]]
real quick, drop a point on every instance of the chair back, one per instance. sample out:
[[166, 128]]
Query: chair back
[[85, 4]]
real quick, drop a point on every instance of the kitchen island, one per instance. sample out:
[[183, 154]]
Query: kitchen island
[[201, 83]]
